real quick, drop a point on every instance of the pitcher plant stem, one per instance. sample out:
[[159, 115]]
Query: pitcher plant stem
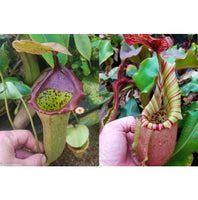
[[75, 116], [6, 102], [32, 124]]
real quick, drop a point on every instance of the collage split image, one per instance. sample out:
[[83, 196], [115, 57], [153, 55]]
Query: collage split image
[[99, 100]]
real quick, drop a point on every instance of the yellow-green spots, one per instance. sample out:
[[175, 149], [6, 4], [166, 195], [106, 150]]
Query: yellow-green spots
[[51, 99]]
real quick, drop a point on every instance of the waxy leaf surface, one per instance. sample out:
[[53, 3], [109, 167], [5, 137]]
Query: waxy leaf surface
[[38, 48], [55, 38], [188, 140], [105, 50], [146, 78], [191, 86], [14, 89], [83, 45], [171, 54], [135, 55], [131, 69], [130, 109], [190, 61], [77, 136]]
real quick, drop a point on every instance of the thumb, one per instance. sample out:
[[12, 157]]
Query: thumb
[[125, 124], [34, 160]]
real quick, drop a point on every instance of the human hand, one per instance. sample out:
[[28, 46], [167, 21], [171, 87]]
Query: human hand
[[12, 152], [115, 143]]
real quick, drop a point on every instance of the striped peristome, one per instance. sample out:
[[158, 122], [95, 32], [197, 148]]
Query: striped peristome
[[167, 96]]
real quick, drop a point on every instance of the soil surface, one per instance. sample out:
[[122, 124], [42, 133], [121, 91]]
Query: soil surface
[[90, 156]]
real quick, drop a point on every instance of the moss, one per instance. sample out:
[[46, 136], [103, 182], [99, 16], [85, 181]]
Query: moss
[[91, 87]]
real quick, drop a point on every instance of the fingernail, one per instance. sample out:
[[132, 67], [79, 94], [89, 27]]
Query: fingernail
[[43, 159]]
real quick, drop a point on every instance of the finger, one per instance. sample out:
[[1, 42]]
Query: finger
[[125, 124], [21, 154], [34, 160], [24, 138], [130, 138]]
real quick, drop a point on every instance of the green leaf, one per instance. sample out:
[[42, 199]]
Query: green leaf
[[108, 64], [2, 37], [66, 38], [107, 116], [85, 68], [171, 54], [90, 119], [131, 69], [103, 77], [130, 109], [191, 86], [105, 97], [190, 107], [128, 51], [146, 78], [83, 45], [188, 140], [105, 50], [113, 74], [190, 61], [102, 89], [194, 47], [143, 54], [4, 46], [78, 136], [135, 55], [185, 161], [117, 39], [31, 68], [39, 48], [170, 60], [95, 43], [75, 65], [57, 38], [4, 62], [14, 89], [185, 109]]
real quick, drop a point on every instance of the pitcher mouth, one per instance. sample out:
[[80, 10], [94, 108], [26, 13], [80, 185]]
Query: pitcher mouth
[[156, 121], [59, 92], [51, 99], [158, 117]]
